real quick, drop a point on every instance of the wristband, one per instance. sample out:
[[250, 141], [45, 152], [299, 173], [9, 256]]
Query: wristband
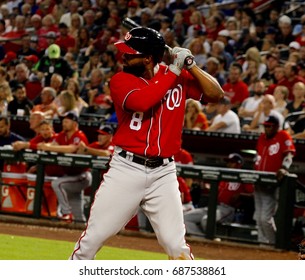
[[189, 61]]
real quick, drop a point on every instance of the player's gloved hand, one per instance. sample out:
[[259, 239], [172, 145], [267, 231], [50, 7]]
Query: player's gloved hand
[[178, 62], [175, 50], [189, 62]]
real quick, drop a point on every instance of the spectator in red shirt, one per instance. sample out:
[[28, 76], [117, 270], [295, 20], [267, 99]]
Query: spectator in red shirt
[[228, 201], [13, 37], [291, 77], [279, 79], [33, 87], [214, 25], [69, 188], [235, 89], [65, 41], [48, 25]]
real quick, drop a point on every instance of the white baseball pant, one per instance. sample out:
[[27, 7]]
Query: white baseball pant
[[126, 186]]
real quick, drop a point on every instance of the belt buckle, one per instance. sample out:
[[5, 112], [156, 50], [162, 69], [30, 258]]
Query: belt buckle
[[151, 163], [147, 162]]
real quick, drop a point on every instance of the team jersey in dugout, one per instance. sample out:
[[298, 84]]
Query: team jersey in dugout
[[270, 152], [150, 112], [75, 139]]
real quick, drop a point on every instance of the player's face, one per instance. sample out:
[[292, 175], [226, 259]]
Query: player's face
[[35, 120], [270, 130], [133, 64], [103, 139], [67, 125], [46, 131]]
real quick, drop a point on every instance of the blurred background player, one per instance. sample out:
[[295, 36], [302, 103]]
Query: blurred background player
[[228, 201], [275, 151], [69, 188]]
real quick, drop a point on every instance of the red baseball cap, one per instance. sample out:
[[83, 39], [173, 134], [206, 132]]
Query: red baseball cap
[[132, 4], [10, 56], [33, 58]]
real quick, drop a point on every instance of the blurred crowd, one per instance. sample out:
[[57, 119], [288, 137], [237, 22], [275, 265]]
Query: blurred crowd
[[58, 56]]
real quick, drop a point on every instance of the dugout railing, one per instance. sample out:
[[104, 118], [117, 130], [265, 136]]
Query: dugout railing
[[212, 175]]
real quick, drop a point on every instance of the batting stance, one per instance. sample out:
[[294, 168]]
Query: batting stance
[[149, 101]]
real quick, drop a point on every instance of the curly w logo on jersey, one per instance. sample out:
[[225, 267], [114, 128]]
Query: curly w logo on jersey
[[274, 149], [173, 98]]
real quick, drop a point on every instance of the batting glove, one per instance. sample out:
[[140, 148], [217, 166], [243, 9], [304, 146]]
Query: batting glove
[[175, 50], [178, 62]]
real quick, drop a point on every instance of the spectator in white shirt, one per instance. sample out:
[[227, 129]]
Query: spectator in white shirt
[[265, 109], [226, 121], [249, 106]]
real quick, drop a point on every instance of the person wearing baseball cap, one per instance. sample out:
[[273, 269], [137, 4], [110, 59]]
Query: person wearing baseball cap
[[149, 99], [143, 41], [234, 158], [52, 63], [271, 121], [8, 58], [69, 188], [275, 152], [30, 60], [230, 198], [53, 51], [71, 116], [103, 146]]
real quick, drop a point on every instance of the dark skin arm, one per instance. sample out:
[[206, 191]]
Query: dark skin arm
[[212, 91]]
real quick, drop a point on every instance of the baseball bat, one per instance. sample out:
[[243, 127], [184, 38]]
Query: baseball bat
[[130, 24]]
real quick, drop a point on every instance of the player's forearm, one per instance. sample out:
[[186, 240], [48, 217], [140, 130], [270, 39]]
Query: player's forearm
[[59, 148], [211, 89], [216, 126], [96, 152]]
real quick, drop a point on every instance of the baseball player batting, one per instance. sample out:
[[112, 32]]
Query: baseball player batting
[[149, 100]]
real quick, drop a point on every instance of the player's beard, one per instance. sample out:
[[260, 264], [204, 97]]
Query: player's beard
[[137, 70]]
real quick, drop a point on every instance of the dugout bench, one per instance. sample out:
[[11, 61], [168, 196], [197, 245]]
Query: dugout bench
[[209, 174]]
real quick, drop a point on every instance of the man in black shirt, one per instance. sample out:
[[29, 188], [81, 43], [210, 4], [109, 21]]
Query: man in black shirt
[[54, 63], [21, 105]]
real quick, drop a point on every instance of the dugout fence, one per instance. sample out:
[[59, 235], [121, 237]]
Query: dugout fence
[[287, 196]]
